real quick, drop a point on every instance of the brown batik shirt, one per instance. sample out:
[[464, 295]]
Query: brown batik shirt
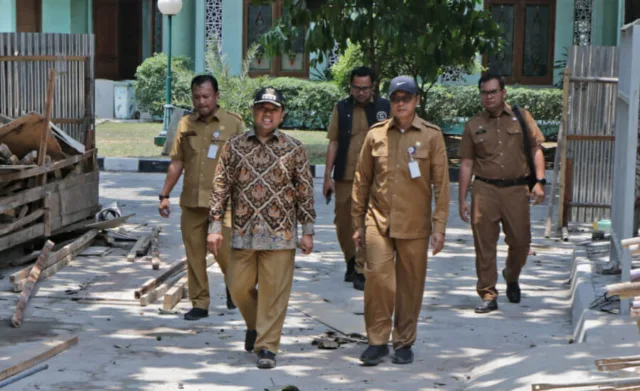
[[271, 189]]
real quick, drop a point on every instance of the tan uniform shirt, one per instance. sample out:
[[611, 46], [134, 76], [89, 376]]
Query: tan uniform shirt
[[385, 192], [359, 129], [195, 137], [496, 146]]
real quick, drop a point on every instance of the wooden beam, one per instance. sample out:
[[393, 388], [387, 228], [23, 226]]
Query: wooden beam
[[42, 151], [138, 247], [26, 259], [616, 383], [155, 294], [154, 282], [26, 363], [34, 275], [154, 255], [173, 296], [589, 137], [46, 169], [6, 228], [67, 120]]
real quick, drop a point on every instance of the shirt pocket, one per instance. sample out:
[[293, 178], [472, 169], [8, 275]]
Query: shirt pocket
[[380, 154], [484, 141]]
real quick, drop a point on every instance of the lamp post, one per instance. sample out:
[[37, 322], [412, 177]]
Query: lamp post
[[169, 8]]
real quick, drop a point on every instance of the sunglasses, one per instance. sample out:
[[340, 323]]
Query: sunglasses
[[401, 98]]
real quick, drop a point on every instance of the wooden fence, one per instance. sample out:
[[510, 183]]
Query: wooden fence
[[25, 60]]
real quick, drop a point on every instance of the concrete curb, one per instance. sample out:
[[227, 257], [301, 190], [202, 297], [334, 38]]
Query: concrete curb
[[582, 294], [160, 165]]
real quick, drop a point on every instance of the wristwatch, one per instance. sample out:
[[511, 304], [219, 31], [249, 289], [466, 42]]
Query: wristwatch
[[162, 196], [542, 181]]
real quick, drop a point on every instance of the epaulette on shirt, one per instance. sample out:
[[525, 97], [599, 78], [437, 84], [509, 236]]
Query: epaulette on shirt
[[430, 125], [380, 124], [235, 115]]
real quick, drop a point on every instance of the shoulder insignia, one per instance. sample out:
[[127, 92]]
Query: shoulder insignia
[[237, 116], [380, 124], [429, 125]]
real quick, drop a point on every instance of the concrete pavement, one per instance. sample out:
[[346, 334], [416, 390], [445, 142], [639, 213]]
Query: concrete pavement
[[127, 347]]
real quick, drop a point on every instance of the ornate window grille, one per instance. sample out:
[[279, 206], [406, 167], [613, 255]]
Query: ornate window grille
[[582, 22], [213, 21]]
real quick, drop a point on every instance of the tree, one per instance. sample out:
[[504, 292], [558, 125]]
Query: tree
[[421, 38]]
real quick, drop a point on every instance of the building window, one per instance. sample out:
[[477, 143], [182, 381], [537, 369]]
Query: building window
[[213, 21], [258, 19], [631, 11], [582, 22], [528, 28]]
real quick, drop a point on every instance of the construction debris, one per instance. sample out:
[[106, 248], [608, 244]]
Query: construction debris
[[28, 360], [332, 340], [34, 275]]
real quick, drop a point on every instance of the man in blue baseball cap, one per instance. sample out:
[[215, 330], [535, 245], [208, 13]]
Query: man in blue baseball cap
[[402, 159]]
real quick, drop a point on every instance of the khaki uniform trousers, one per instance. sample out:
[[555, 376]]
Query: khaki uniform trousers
[[396, 270], [344, 225], [194, 224], [490, 206], [263, 310]]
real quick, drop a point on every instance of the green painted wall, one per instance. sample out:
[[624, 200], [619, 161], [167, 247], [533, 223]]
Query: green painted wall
[[7, 16], [182, 39], [604, 27], [565, 10], [200, 32], [56, 16], [146, 26], [80, 16], [233, 18]]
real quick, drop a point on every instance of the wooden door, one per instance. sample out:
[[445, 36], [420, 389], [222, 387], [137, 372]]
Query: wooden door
[[130, 44], [29, 16], [106, 29]]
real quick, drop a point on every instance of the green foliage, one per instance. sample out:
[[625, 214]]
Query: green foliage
[[149, 86], [341, 70], [308, 103], [418, 38]]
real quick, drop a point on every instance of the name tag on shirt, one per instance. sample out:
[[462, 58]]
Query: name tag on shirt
[[213, 151], [414, 169]]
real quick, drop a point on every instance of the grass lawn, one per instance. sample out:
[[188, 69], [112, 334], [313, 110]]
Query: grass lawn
[[136, 140]]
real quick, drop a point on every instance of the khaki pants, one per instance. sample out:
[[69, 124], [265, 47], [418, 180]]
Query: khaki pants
[[194, 224], [490, 206], [263, 310], [344, 224], [395, 272]]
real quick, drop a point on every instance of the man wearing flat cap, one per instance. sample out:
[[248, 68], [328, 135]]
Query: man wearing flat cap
[[403, 161], [266, 176]]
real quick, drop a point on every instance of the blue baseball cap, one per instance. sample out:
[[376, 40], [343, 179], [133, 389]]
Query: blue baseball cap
[[403, 83]]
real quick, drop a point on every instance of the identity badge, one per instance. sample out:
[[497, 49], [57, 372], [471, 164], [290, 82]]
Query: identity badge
[[213, 151], [414, 169]]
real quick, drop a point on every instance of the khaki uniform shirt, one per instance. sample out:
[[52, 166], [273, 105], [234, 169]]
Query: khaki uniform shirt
[[359, 129], [194, 137], [496, 146], [385, 195]]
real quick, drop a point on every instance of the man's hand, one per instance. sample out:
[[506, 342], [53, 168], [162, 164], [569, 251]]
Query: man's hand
[[165, 208], [464, 210], [437, 242], [306, 244], [214, 242], [328, 187], [537, 194], [358, 238]]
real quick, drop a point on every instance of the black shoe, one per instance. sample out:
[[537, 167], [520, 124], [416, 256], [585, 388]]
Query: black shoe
[[358, 281], [374, 354], [351, 269], [487, 306], [513, 290], [250, 340], [266, 359], [403, 356], [196, 313], [230, 304]]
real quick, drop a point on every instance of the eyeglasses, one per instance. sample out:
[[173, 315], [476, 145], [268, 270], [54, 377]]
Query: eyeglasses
[[361, 89], [401, 98], [489, 93]]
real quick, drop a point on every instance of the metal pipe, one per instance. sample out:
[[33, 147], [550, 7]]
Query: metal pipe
[[22, 375]]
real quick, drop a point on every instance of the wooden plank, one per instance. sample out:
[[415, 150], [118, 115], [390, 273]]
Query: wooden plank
[[164, 276], [616, 383], [26, 259], [67, 120], [113, 223], [46, 169], [173, 296], [37, 193], [154, 253], [42, 151], [19, 237], [18, 122], [589, 137], [24, 363], [34, 275], [155, 294], [6, 228], [131, 257]]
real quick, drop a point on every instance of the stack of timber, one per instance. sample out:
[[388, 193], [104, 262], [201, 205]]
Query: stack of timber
[[47, 181]]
